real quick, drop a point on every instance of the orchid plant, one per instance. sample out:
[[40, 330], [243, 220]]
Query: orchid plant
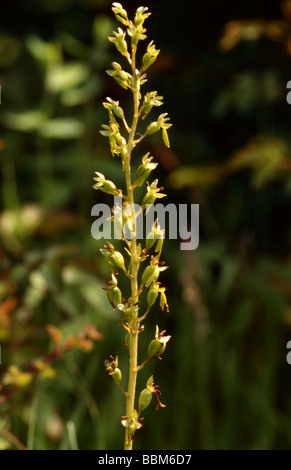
[[123, 140]]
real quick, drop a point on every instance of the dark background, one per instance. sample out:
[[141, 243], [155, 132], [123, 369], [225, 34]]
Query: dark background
[[222, 70]]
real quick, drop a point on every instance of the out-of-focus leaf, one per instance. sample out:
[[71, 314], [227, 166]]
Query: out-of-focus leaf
[[74, 46], [14, 376], [83, 94], [52, 275], [56, 7], [204, 177], [266, 156], [243, 316], [27, 121], [44, 52], [61, 77], [55, 334], [3, 424], [228, 276], [9, 50], [90, 289], [102, 28], [69, 301], [20, 223], [36, 290], [4, 444], [246, 91], [235, 31], [62, 128], [250, 30], [59, 222]]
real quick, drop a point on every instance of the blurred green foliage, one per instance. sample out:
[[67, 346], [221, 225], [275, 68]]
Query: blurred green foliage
[[223, 71]]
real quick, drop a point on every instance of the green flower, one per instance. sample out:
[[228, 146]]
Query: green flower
[[158, 345]]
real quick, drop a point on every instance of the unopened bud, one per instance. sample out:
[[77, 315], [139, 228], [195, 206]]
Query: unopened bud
[[150, 275], [127, 341], [112, 369], [150, 56], [117, 376], [152, 295], [118, 259], [158, 345], [153, 127], [151, 239], [155, 349], [144, 400], [110, 188], [116, 296]]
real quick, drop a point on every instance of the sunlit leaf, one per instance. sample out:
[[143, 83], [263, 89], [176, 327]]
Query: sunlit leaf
[[44, 52], [195, 176], [81, 95], [62, 77], [26, 121], [62, 128], [266, 156]]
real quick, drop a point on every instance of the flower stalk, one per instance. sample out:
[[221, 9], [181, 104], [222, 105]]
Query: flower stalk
[[126, 42]]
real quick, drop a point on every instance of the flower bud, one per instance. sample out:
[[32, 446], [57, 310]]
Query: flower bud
[[151, 239], [112, 369], [155, 235], [130, 311], [141, 15], [152, 128], [150, 275], [117, 376], [148, 200], [153, 192], [119, 112], [155, 349], [150, 56], [150, 384], [144, 170], [124, 79], [127, 341], [158, 345], [109, 188], [109, 294], [113, 281], [119, 41], [118, 259], [144, 400], [120, 13], [159, 245], [116, 296], [152, 295], [114, 106], [113, 292], [142, 175], [104, 185]]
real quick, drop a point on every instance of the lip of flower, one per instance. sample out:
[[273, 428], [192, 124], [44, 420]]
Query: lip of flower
[[159, 403]]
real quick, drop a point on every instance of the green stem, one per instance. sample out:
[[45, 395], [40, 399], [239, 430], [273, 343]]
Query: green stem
[[133, 349], [142, 365]]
